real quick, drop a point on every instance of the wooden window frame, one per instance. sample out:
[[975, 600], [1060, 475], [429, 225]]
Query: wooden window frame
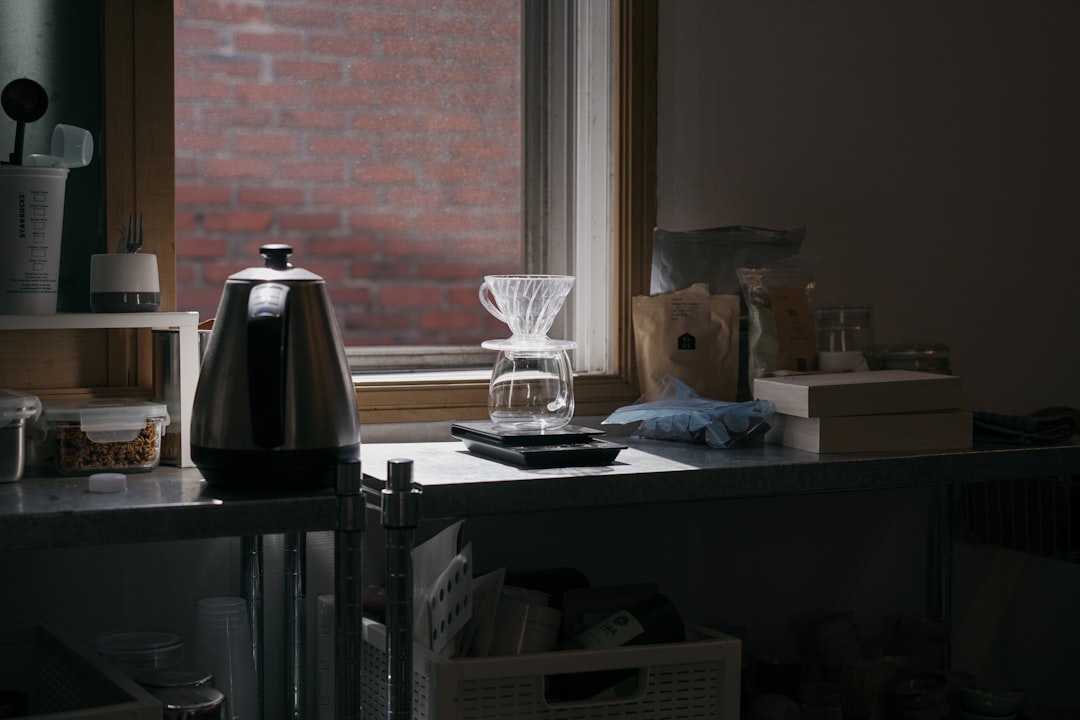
[[140, 157], [136, 145]]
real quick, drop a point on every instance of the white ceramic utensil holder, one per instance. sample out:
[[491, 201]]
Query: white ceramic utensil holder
[[124, 282]]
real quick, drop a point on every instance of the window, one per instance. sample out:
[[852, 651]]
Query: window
[[387, 399], [381, 140]]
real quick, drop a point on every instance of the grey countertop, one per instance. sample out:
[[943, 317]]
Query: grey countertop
[[457, 483], [173, 503]]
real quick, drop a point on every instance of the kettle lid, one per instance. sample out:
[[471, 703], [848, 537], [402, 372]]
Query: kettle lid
[[277, 267]]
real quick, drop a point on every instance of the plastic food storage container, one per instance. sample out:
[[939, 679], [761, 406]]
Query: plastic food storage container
[[17, 410], [137, 652], [115, 434]]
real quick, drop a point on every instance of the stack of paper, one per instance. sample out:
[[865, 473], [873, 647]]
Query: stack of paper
[[881, 410]]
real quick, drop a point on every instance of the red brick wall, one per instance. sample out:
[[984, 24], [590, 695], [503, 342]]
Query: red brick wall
[[380, 138]]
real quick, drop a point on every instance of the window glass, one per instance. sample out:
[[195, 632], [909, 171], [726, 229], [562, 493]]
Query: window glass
[[382, 140]]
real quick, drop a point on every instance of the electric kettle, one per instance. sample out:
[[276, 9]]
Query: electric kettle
[[275, 407]]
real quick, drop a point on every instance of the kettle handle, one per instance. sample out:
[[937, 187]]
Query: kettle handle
[[266, 343]]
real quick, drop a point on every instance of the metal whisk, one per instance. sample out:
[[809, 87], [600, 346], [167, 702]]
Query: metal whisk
[[131, 238]]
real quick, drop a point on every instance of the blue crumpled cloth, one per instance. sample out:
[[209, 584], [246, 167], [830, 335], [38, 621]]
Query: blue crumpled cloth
[[685, 416]]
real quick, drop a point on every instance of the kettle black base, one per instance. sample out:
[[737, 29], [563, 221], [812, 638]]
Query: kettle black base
[[272, 471]]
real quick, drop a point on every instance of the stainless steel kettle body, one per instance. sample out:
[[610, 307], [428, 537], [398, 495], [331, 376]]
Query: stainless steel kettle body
[[275, 407]]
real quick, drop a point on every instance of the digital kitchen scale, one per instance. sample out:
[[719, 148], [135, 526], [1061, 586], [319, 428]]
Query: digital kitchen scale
[[568, 446]]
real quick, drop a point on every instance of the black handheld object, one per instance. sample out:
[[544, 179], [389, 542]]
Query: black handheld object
[[24, 101]]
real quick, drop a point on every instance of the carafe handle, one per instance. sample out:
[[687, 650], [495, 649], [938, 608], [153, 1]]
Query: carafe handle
[[566, 384], [266, 344], [485, 300]]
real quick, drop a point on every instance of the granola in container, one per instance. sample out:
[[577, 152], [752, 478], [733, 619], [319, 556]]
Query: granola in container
[[114, 434]]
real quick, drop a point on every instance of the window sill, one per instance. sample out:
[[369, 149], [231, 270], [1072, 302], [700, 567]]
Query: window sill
[[456, 395]]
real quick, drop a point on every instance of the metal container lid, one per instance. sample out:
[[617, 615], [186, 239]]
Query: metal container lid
[[926, 357], [15, 407], [189, 703], [172, 677], [913, 349], [137, 643]]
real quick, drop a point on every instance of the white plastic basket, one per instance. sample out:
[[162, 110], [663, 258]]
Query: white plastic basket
[[694, 679]]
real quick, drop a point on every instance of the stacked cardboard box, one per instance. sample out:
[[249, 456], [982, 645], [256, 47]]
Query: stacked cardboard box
[[882, 410]]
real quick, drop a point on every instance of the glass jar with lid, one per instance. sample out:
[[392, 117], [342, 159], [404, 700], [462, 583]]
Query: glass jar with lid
[[843, 337], [925, 357]]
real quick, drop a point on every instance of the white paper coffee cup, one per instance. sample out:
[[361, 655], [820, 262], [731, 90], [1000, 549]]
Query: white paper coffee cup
[[31, 228]]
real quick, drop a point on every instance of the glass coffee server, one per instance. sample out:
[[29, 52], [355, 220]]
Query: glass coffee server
[[532, 383]]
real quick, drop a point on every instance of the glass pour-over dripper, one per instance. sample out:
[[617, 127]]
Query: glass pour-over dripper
[[532, 383], [528, 304]]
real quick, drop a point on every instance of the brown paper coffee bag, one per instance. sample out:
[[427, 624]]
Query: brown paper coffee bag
[[692, 335]]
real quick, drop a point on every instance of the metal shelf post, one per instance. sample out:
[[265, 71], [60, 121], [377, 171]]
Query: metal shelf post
[[400, 513], [348, 591]]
